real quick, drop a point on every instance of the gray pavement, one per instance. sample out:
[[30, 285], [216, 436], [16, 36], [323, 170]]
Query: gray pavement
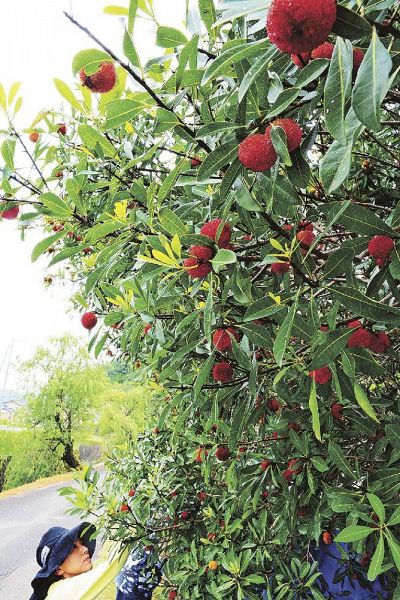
[[23, 519]]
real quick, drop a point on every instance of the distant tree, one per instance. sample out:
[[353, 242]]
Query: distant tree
[[63, 387]]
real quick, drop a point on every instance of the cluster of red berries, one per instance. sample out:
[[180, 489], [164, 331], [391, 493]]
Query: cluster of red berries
[[257, 151], [198, 264], [380, 247], [325, 50], [362, 338], [103, 80]]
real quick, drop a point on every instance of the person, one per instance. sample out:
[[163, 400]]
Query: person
[[67, 572]]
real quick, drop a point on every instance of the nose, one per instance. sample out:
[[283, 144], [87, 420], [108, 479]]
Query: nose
[[84, 550]]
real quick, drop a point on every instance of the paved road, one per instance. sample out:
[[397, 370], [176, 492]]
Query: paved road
[[23, 519]]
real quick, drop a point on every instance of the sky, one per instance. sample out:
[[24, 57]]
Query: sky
[[37, 43]]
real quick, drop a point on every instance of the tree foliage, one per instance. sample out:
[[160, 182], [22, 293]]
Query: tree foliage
[[307, 406]]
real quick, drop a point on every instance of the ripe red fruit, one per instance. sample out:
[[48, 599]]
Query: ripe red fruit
[[201, 252], [265, 494], [220, 235], [10, 213], [195, 268], [380, 246], [381, 262], [353, 324], [200, 454], [222, 338], [360, 338], [305, 225], [147, 328], [264, 464], [325, 50], [337, 411], [201, 496], [195, 162], [322, 375], [124, 508], [222, 371], [324, 328], [103, 80], [297, 26], [327, 537], [288, 475], [58, 227], [185, 515], [358, 57], [294, 462], [222, 453], [88, 320], [280, 267], [59, 174], [301, 60], [257, 153], [292, 130], [305, 237], [294, 426], [172, 595], [273, 405], [302, 511], [173, 493], [380, 342], [131, 493], [34, 136], [61, 128], [211, 536]]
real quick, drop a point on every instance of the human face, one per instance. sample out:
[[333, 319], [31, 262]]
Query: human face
[[76, 563]]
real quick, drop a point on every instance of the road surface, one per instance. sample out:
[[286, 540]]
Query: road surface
[[23, 519]]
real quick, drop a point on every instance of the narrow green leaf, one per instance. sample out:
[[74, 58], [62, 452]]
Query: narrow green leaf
[[284, 333], [364, 402], [361, 305], [170, 180], [169, 37], [279, 141], [68, 94], [350, 24], [255, 71], [203, 375], [394, 547], [217, 159], [230, 56], [44, 244], [57, 206], [313, 404], [91, 136], [130, 50], [89, 60], [377, 560], [336, 455], [171, 222], [337, 89], [284, 100], [377, 506], [7, 152], [207, 13], [353, 533], [331, 348], [372, 84]]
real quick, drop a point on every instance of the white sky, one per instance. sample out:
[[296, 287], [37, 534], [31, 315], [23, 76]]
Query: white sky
[[37, 43]]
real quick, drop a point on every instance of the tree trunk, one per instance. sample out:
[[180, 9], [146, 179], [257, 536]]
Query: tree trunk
[[69, 457], [4, 462]]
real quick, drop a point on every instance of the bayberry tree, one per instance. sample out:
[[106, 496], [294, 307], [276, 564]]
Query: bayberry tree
[[230, 210]]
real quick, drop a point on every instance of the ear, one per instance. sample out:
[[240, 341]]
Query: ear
[[59, 572]]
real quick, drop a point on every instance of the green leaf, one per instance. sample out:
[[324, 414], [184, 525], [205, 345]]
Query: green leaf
[[279, 141], [57, 206], [7, 152], [319, 464], [377, 506], [246, 200], [283, 336], [284, 100], [331, 348], [255, 71], [336, 455], [223, 257], [360, 219], [117, 11], [169, 37], [208, 311], [101, 230], [207, 13], [299, 173], [170, 179], [372, 84], [44, 244], [264, 307], [350, 24], [188, 53], [64, 254], [121, 111], [217, 159], [353, 533], [133, 6], [203, 375], [217, 127], [257, 334], [68, 94], [361, 305], [230, 56], [377, 560], [130, 51], [171, 222], [394, 518], [338, 263], [313, 404], [337, 89], [91, 136], [311, 71], [364, 402], [89, 60], [394, 547]]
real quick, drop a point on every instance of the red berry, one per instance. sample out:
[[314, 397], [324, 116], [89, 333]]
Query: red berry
[[222, 453], [380, 342], [301, 60], [265, 494], [103, 80], [61, 128], [264, 464], [10, 213], [288, 475], [221, 235], [222, 338], [381, 262], [257, 153], [324, 328], [325, 50], [322, 375], [201, 252], [337, 411], [195, 162], [292, 130], [305, 237], [201, 496], [124, 508], [380, 246], [273, 405], [280, 267], [222, 371], [147, 328], [327, 537], [131, 493], [360, 338], [353, 324], [211, 536], [358, 57], [200, 453], [297, 26], [185, 515], [34, 136], [294, 426], [305, 225], [195, 268], [88, 320], [294, 462], [173, 493], [172, 595]]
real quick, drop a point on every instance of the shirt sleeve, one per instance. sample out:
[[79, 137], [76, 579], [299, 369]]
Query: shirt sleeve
[[88, 586]]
